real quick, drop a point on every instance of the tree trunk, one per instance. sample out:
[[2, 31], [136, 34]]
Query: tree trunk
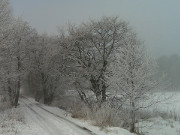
[[103, 90], [18, 83], [10, 92], [133, 118], [38, 95], [103, 93], [96, 89], [43, 82], [17, 93], [45, 95], [98, 96]]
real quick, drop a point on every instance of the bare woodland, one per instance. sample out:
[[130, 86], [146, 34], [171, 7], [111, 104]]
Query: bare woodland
[[101, 60]]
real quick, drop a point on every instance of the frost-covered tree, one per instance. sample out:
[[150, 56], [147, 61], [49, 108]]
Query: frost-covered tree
[[91, 47], [5, 20], [133, 76], [46, 67], [5, 24], [15, 57]]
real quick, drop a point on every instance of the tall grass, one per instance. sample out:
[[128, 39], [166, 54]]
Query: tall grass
[[100, 116]]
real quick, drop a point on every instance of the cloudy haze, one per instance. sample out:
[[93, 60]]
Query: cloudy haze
[[157, 22]]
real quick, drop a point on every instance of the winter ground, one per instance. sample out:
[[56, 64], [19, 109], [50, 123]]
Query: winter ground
[[11, 121], [43, 120], [165, 116], [39, 119]]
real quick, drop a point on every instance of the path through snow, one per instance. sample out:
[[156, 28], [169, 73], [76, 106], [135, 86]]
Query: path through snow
[[47, 123]]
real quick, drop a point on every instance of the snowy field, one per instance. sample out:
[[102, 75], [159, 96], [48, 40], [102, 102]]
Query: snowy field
[[39, 119], [170, 102], [44, 120], [169, 121]]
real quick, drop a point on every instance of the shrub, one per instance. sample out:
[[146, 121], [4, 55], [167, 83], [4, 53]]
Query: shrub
[[9, 120], [105, 116], [79, 110]]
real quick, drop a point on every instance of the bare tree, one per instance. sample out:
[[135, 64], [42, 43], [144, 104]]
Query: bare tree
[[46, 65], [5, 19], [91, 47], [5, 23], [15, 58], [133, 76]]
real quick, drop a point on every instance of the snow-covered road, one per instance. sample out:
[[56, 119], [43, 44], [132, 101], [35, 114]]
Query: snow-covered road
[[47, 123]]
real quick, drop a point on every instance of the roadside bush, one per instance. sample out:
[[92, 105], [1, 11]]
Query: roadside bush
[[10, 120], [79, 110], [101, 116], [105, 116]]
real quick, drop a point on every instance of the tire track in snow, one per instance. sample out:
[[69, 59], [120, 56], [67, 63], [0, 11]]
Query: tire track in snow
[[70, 123], [43, 122]]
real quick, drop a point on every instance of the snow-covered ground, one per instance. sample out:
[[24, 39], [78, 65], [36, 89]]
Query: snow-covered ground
[[153, 126], [63, 121], [11, 121], [160, 126], [43, 120], [169, 101], [169, 106]]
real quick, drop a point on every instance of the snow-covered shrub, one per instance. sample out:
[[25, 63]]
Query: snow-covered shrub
[[16, 114], [101, 116], [106, 116], [10, 120], [65, 102], [79, 110]]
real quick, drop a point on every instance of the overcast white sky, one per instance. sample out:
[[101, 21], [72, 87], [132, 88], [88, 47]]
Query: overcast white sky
[[157, 22]]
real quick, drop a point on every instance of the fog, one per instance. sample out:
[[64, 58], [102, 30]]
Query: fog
[[94, 75], [169, 66], [156, 22]]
